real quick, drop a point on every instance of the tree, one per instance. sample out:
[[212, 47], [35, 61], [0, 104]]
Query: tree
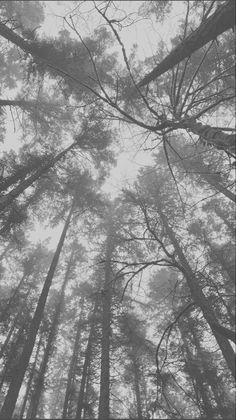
[[220, 21], [182, 263], [106, 293], [10, 400], [51, 338]]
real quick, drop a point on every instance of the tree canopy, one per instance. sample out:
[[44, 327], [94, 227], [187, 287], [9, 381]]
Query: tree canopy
[[117, 252]]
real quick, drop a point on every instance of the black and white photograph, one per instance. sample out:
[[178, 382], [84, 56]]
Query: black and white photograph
[[117, 209]]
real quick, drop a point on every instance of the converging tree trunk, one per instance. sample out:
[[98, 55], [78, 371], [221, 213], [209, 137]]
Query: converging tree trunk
[[87, 360], [19, 315], [136, 370], [73, 362], [211, 136], [48, 350], [219, 22], [104, 399], [197, 294], [202, 395], [7, 199], [30, 379], [17, 379]]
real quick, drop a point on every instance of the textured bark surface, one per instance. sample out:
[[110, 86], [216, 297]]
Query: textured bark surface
[[17, 379], [104, 412], [216, 24], [211, 136], [87, 359]]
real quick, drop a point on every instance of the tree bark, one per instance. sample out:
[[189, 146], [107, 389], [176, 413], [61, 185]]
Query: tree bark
[[17, 102], [220, 21], [219, 187], [212, 136], [197, 377], [15, 385], [87, 359], [200, 299], [7, 199], [104, 399], [30, 379], [211, 378], [72, 368], [20, 174], [137, 387], [48, 350]]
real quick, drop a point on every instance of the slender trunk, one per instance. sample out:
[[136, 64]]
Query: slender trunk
[[3, 315], [220, 21], [104, 399], [137, 387], [19, 175], [212, 136], [13, 351], [30, 379], [87, 360], [218, 187], [15, 321], [48, 350], [196, 375], [200, 299], [211, 377], [17, 379], [7, 199], [72, 368], [21, 103]]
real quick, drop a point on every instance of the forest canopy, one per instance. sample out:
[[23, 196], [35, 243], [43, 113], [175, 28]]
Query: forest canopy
[[117, 229]]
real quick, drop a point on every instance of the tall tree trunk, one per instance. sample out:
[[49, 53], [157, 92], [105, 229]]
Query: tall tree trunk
[[104, 398], [218, 187], [211, 378], [14, 323], [7, 199], [10, 102], [48, 350], [200, 299], [220, 21], [13, 350], [9, 303], [19, 175], [15, 385], [30, 379], [196, 167], [71, 372], [206, 407], [137, 386], [87, 359], [212, 136]]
